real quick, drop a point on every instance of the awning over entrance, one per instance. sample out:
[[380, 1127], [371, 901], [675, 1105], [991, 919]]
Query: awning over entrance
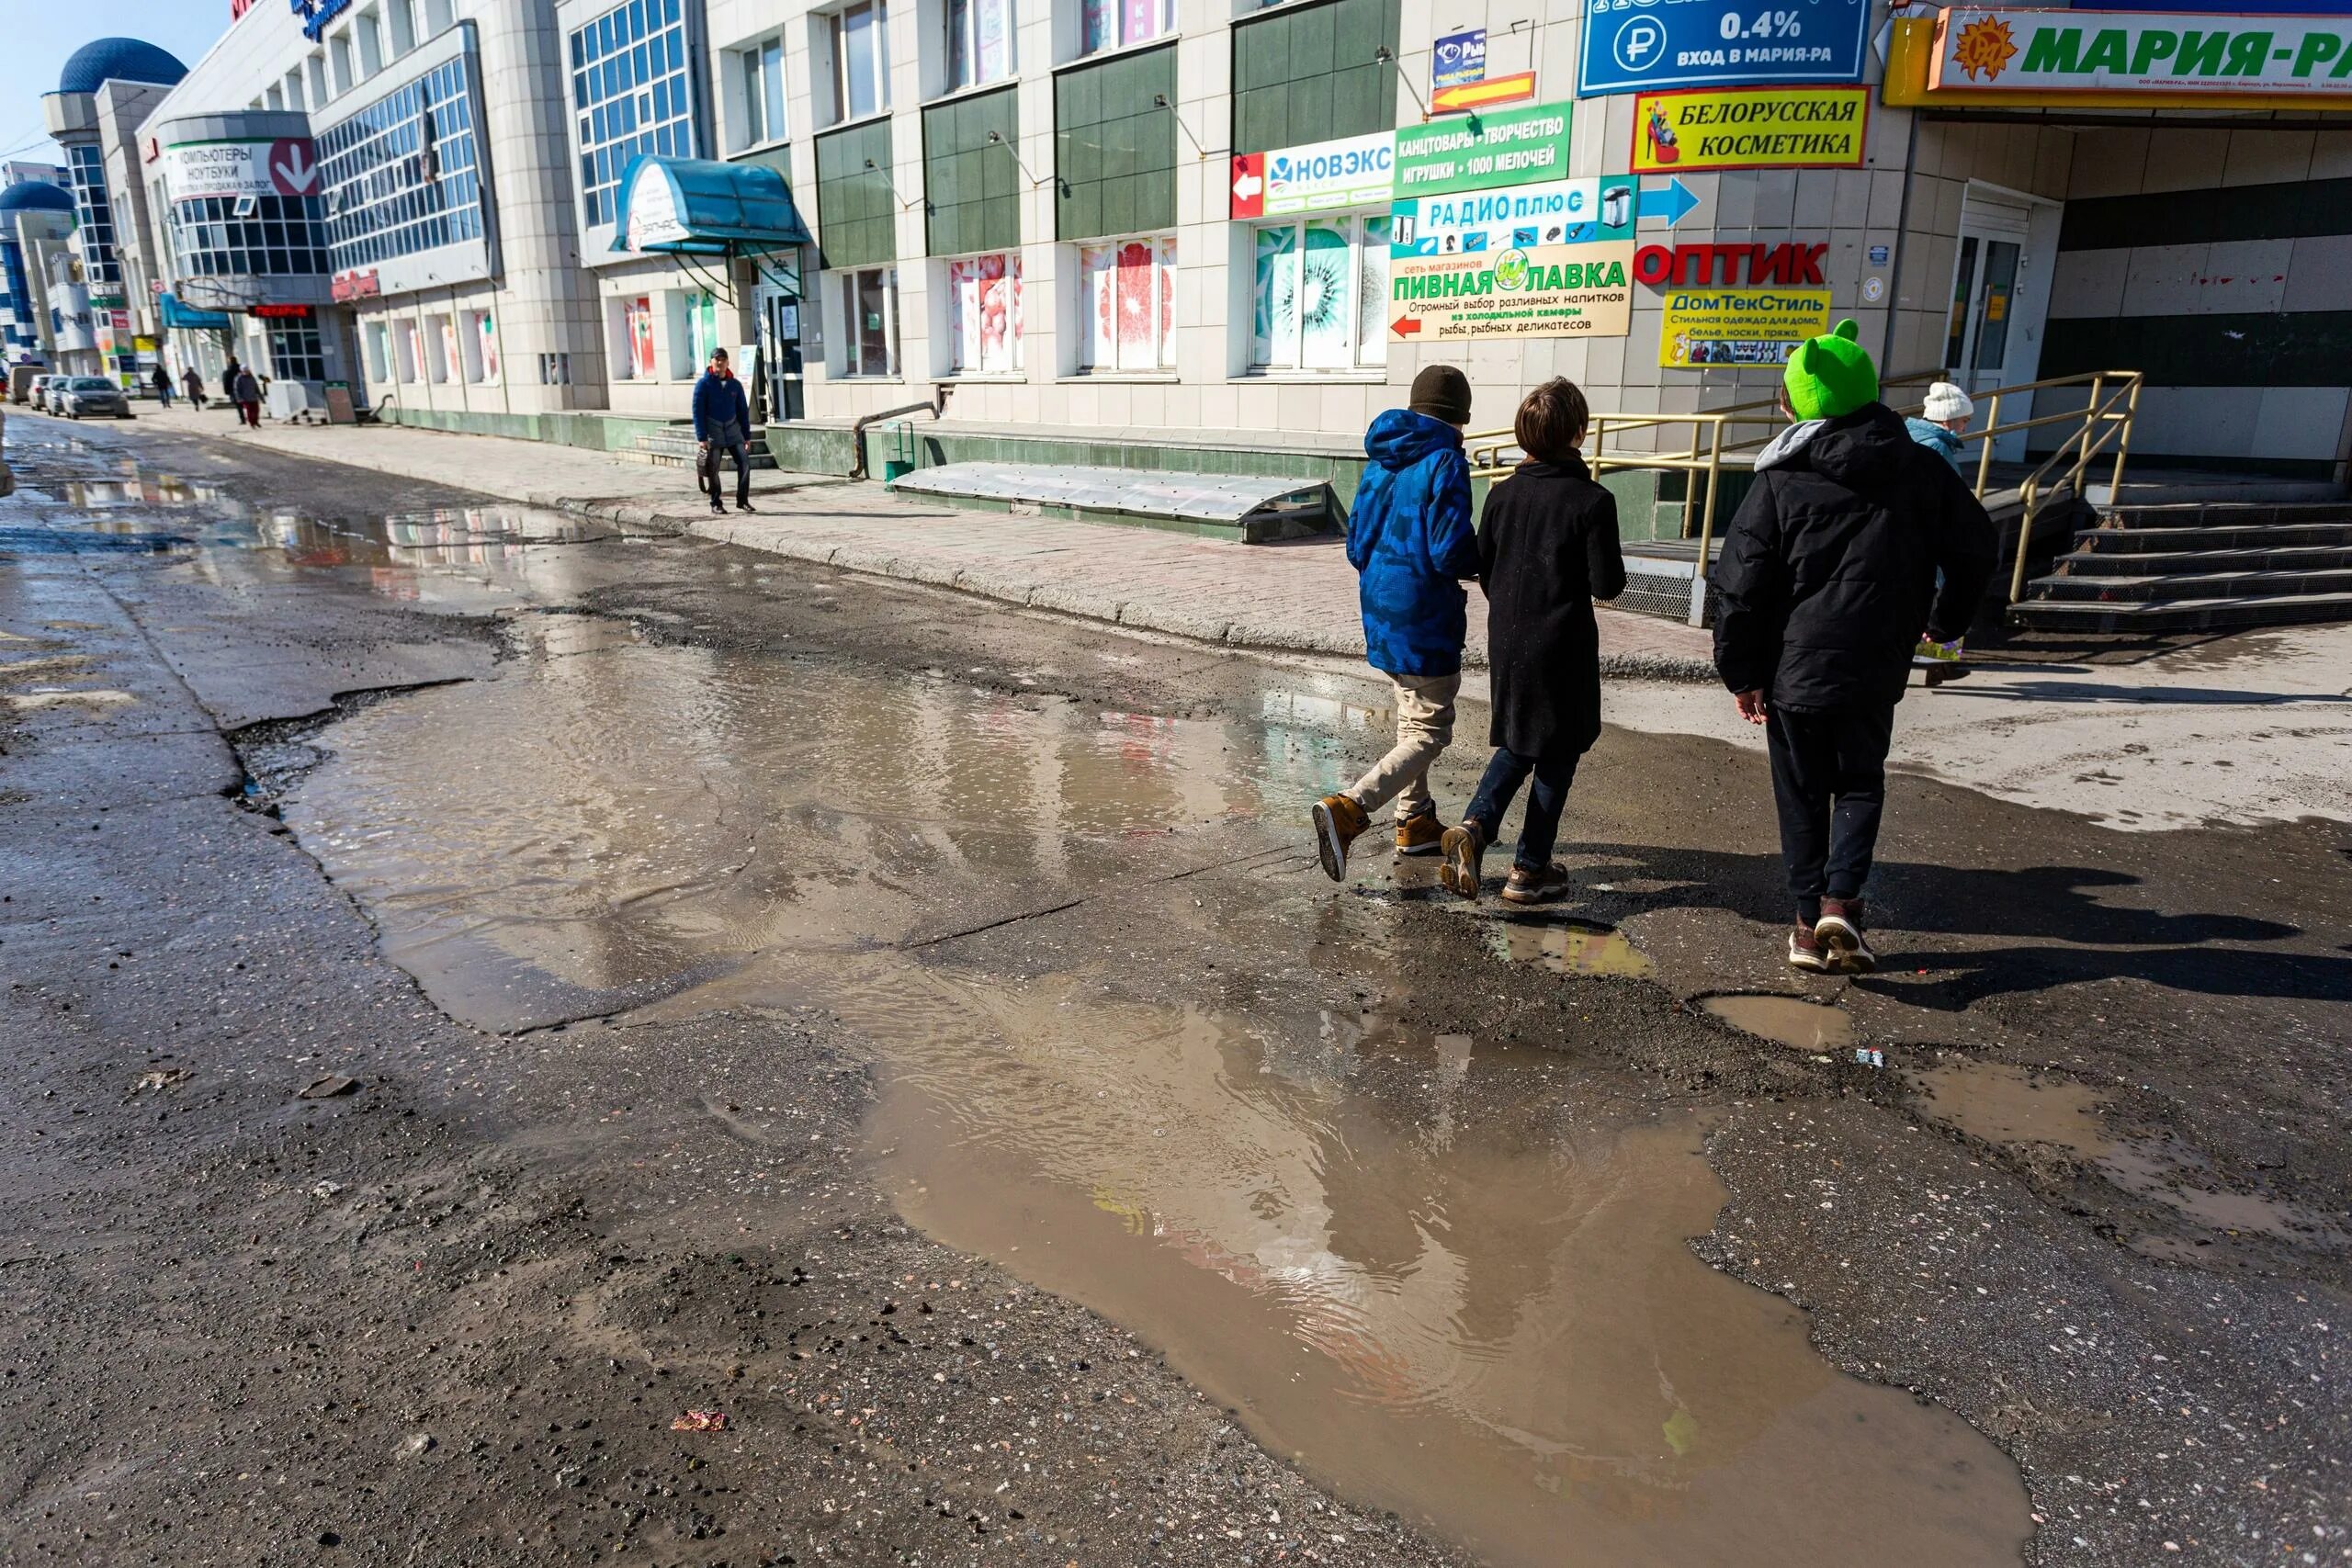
[[187, 318], [699, 207]]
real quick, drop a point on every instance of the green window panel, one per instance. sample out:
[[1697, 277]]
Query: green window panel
[[972, 186], [1115, 149], [1308, 74], [857, 211]]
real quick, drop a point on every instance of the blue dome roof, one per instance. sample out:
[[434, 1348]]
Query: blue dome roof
[[117, 60], [36, 195]]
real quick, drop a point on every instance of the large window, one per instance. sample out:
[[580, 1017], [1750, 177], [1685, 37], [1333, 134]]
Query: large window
[[1114, 24], [295, 353], [869, 300], [1127, 296], [404, 175], [225, 236], [1319, 295], [861, 59], [980, 42], [95, 215], [631, 95], [984, 314], [759, 76]]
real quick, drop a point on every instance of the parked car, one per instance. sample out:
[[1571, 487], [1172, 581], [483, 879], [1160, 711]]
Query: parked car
[[52, 393], [37, 390], [92, 394]]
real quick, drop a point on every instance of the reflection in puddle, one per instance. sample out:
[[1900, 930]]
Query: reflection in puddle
[[1790, 1020], [1570, 949], [2005, 1104], [1413, 1263]]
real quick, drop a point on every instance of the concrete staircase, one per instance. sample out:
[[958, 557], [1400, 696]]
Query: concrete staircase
[[2199, 566], [674, 448]]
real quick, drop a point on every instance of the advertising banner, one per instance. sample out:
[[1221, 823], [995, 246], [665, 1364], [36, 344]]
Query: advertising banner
[[1507, 147], [1320, 178], [1557, 212], [1548, 292], [2031, 52], [1631, 44], [1750, 127], [195, 171], [1458, 59], [1487, 92], [1707, 327]]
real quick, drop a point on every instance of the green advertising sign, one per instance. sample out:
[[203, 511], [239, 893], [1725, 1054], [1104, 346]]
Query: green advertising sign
[[1483, 150]]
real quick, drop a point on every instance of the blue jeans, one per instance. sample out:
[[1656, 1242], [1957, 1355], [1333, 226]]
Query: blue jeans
[[1545, 798]]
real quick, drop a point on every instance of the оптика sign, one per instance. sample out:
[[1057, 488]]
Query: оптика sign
[[1483, 150], [2022, 51], [1631, 44]]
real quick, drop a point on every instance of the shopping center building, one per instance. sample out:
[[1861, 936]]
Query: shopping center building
[[1187, 234]]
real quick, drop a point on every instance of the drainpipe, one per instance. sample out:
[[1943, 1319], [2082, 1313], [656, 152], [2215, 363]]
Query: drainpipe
[[936, 407]]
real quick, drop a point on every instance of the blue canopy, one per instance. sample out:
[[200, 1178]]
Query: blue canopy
[[701, 207], [177, 316]]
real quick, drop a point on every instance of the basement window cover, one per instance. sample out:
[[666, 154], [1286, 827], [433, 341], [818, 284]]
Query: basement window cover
[[1140, 493]]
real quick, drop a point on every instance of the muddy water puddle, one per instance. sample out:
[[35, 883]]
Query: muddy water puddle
[[1565, 948], [2005, 1104], [1787, 1020], [1444, 1275]]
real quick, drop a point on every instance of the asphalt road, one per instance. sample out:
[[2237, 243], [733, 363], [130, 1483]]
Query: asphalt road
[[913, 1031]]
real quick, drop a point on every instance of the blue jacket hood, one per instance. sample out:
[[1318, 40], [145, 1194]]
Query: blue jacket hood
[[1399, 438]]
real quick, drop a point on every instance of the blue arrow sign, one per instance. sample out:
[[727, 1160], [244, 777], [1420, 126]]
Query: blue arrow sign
[[1674, 203]]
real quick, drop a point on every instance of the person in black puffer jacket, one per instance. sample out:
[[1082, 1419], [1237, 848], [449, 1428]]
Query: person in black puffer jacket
[[1828, 573]]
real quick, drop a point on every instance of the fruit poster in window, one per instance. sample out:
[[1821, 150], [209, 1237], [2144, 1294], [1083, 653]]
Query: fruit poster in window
[[639, 317], [486, 328], [984, 298]]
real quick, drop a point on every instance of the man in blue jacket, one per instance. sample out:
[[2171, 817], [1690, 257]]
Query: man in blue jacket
[[723, 423], [1411, 542]]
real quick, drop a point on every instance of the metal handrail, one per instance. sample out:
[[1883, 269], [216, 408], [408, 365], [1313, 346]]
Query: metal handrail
[[2108, 412]]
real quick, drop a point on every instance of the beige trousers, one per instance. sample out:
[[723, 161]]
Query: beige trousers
[[1424, 729]]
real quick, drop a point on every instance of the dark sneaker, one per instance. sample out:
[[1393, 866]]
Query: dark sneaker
[[742, 506], [1805, 952], [1542, 886], [1419, 834], [1338, 821], [717, 509], [1463, 846], [1840, 930]]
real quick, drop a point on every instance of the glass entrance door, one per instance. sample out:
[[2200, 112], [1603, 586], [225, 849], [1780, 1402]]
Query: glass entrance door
[[1986, 345]]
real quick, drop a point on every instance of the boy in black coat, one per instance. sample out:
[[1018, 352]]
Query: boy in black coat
[[1547, 548], [1827, 575]]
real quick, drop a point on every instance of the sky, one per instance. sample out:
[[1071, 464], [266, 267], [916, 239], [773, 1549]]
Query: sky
[[42, 33]]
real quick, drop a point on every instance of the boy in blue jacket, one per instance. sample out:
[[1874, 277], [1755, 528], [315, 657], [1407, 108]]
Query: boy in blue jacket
[[1411, 542]]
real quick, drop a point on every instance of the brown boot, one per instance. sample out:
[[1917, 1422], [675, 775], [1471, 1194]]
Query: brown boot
[[1419, 834], [1840, 930], [1542, 886], [1461, 875], [1338, 821]]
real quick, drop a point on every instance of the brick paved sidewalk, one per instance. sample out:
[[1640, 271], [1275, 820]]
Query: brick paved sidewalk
[[1297, 597]]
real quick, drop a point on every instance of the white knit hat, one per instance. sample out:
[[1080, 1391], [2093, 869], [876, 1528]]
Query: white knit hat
[[1946, 401]]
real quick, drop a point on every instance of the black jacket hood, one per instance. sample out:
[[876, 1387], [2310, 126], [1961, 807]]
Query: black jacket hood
[[1863, 450]]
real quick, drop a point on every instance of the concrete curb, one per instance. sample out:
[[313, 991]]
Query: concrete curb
[[1004, 584]]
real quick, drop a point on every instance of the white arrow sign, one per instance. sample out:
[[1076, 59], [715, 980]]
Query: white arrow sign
[[293, 169], [1247, 186]]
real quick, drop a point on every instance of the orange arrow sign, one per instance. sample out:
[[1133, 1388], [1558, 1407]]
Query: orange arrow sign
[[1483, 94]]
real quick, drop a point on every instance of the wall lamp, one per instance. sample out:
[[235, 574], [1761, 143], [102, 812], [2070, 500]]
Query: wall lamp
[[1383, 55], [996, 139], [888, 184], [1160, 101]]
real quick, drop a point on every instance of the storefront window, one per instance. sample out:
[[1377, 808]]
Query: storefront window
[[479, 339], [980, 42], [984, 314], [870, 308], [1127, 298], [1114, 24], [295, 353], [1318, 295]]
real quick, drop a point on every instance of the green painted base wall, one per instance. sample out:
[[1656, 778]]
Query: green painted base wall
[[593, 432]]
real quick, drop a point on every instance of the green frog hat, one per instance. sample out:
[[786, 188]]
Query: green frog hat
[[1830, 377]]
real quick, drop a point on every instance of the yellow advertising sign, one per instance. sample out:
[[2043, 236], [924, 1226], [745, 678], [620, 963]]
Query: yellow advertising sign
[[1750, 127], [1539, 291], [1708, 327]]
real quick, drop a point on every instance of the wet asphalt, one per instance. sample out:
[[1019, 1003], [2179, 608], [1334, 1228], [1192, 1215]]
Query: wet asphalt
[[605, 868]]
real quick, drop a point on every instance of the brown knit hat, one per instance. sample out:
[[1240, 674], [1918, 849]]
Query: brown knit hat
[[1442, 391]]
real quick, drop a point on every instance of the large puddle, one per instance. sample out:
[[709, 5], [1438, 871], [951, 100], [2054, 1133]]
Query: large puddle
[[1448, 1276]]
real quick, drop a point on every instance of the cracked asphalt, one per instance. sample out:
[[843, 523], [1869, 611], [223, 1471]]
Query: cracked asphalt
[[765, 992]]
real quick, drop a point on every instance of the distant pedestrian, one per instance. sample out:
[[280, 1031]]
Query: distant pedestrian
[[163, 383], [193, 381], [1410, 540], [1827, 575], [1547, 548], [1940, 426], [723, 425], [247, 396], [229, 380]]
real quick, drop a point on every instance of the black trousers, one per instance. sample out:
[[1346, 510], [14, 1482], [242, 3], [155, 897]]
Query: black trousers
[[1829, 780], [710, 455]]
